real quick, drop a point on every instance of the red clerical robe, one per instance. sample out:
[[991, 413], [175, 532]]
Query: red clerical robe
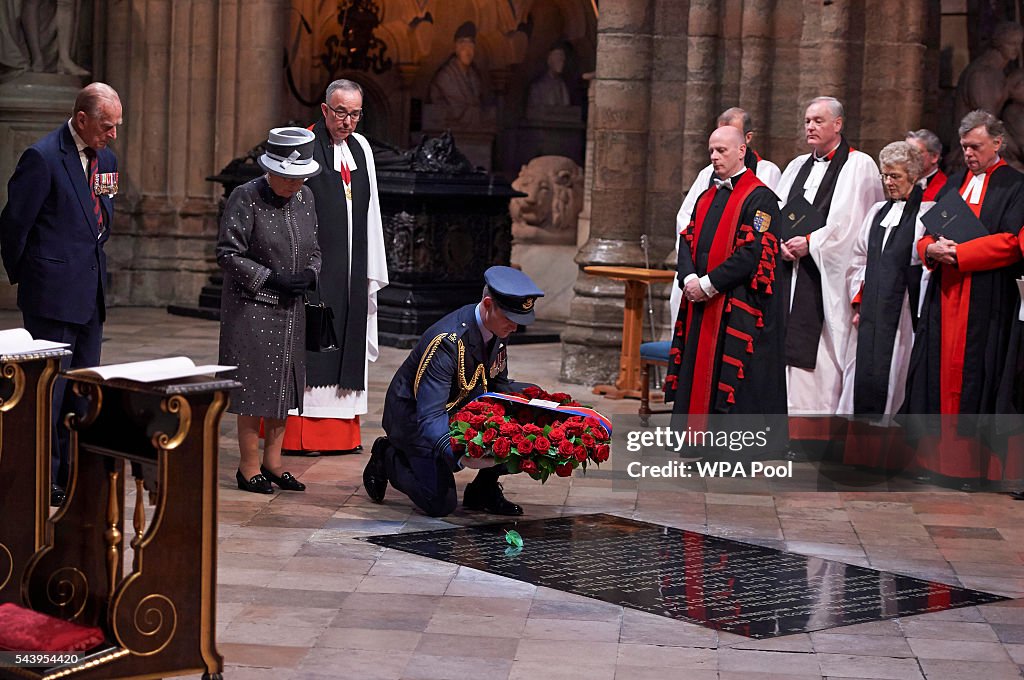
[[933, 186], [726, 354], [963, 334]]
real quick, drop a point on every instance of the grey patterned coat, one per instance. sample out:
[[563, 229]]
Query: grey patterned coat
[[260, 333]]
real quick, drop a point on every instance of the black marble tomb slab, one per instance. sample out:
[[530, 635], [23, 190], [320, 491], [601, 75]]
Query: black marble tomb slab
[[715, 582]]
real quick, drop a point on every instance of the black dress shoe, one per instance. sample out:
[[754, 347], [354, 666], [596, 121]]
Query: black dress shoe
[[487, 496], [57, 496], [258, 483], [1017, 495], [286, 481], [342, 452], [375, 474]]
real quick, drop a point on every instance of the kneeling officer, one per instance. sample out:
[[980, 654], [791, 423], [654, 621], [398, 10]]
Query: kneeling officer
[[459, 358]]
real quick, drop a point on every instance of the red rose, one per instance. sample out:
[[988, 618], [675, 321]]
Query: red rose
[[556, 434], [509, 429], [497, 421], [477, 407], [525, 447], [527, 466], [518, 438], [588, 441], [530, 428], [458, 448], [501, 447], [474, 450], [601, 455], [592, 423], [489, 435], [541, 444], [563, 470], [565, 449], [477, 421], [573, 427], [469, 434], [532, 392], [497, 409], [579, 453]]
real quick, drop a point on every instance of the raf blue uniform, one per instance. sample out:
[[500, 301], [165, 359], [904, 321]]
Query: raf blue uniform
[[450, 366]]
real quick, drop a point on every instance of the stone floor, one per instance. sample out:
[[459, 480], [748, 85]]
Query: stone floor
[[300, 597]]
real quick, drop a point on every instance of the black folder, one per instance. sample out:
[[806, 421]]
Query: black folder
[[952, 218], [800, 218]]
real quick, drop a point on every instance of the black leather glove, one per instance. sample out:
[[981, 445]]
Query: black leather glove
[[292, 284]]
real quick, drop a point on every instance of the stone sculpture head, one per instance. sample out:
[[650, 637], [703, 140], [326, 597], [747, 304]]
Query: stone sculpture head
[[554, 197]]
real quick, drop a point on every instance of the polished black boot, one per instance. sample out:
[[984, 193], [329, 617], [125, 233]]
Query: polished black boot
[[375, 474], [485, 494]]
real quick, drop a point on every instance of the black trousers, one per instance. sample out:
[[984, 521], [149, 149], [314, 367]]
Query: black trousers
[[84, 340], [428, 481]]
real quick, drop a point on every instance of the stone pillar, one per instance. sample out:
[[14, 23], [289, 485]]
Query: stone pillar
[[201, 82], [620, 121]]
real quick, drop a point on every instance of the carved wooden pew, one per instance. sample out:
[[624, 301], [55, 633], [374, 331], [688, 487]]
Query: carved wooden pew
[[26, 386], [159, 617]]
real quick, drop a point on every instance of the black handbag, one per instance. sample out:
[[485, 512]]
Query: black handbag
[[320, 335]]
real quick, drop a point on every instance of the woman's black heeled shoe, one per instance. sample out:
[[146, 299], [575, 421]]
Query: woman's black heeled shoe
[[286, 481], [258, 484]]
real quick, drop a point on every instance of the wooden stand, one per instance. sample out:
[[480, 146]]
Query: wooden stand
[[637, 279], [26, 386], [159, 619]]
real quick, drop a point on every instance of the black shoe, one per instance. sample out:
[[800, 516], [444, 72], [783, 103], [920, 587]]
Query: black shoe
[[1017, 495], [299, 452], [342, 452], [57, 496], [487, 496], [258, 483], [286, 481], [375, 474]]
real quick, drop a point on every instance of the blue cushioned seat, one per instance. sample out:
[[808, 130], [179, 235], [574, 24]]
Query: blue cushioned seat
[[655, 351]]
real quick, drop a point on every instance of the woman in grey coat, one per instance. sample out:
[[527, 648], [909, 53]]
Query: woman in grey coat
[[267, 248]]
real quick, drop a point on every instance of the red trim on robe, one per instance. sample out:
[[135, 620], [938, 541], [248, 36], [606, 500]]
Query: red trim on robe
[[934, 186]]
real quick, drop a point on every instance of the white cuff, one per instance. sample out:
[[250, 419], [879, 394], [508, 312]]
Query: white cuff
[[705, 285], [688, 278]]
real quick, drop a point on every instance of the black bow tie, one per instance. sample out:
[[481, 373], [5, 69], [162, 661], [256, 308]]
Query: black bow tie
[[823, 159]]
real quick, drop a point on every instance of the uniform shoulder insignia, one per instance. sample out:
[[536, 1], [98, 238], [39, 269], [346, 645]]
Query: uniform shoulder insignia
[[762, 221]]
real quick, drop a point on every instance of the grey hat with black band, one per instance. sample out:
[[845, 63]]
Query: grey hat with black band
[[289, 153]]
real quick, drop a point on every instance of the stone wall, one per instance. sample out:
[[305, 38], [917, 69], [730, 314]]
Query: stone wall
[[200, 82], [667, 68]]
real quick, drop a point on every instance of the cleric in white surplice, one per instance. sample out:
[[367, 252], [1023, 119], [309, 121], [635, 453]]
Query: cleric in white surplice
[[842, 184]]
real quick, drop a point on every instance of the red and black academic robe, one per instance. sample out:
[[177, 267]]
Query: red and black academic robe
[[963, 334], [727, 352], [933, 186]]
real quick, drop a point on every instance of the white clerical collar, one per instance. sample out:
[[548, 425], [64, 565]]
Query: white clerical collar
[[78, 140], [923, 182], [972, 193], [828, 156], [895, 214], [484, 333]]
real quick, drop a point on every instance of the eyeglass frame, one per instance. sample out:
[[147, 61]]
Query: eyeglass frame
[[895, 178], [354, 116]]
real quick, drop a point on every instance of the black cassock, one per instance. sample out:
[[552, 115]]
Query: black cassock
[[888, 279]]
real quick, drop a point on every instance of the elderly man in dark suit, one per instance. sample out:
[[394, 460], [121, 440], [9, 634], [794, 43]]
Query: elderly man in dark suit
[[52, 231], [459, 358]]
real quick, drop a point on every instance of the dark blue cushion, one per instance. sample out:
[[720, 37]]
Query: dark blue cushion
[[655, 351]]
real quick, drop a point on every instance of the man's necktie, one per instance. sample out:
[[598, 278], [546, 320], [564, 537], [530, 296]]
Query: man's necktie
[[723, 183], [90, 154]]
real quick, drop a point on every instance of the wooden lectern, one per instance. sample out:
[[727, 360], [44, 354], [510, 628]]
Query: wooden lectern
[[637, 279], [26, 387], [159, 619]]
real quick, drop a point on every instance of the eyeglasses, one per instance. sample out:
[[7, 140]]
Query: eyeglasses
[[894, 176], [342, 114]]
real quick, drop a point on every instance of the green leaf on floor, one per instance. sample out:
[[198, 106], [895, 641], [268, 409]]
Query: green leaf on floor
[[513, 538]]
